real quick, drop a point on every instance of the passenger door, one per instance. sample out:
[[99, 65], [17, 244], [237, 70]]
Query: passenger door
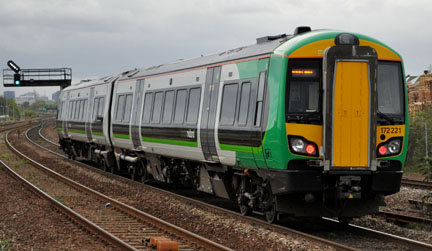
[[208, 115], [350, 115], [88, 115], [136, 112]]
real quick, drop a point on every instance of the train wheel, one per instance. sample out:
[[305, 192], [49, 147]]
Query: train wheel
[[145, 176], [245, 209], [269, 203], [106, 167], [133, 174], [270, 213]]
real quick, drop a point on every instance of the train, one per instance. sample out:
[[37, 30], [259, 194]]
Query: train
[[310, 124]]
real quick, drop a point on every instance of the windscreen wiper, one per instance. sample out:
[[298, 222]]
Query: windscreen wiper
[[382, 115]]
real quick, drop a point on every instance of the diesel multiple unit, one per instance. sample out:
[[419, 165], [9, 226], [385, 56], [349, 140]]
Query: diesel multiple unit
[[309, 124]]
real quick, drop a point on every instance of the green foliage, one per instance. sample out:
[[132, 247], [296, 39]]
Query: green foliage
[[415, 161], [38, 105], [14, 110], [4, 245], [4, 156], [30, 114]]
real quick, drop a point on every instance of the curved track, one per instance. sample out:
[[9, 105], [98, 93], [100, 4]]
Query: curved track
[[332, 224], [115, 222]]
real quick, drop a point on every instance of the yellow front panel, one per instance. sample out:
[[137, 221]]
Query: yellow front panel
[[351, 115]]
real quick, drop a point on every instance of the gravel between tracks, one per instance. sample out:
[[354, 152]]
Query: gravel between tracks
[[219, 228], [30, 223], [397, 202]]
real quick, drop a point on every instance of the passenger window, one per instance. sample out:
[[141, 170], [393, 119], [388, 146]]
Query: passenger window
[[260, 98], [120, 105], [157, 107], [71, 110], [81, 111], [60, 106], [244, 104], [77, 108], [148, 100], [180, 106], [128, 106], [95, 108], [229, 103], [168, 107], [101, 106], [193, 106], [84, 110]]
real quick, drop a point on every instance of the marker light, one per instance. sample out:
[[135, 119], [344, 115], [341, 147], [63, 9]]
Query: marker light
[[346, 39], [310, 149], [390, 147], [382, 150], [304, 72], [300, 145]]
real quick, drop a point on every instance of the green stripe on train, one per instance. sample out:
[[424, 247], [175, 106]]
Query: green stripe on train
[[236, 148], [77, 131], [171, 142], [121, 136], [98, 133]]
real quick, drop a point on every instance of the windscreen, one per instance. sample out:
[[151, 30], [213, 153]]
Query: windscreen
[[303, 99], [390, 91]]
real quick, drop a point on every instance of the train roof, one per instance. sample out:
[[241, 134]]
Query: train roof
[[264, 46], [279, 44]]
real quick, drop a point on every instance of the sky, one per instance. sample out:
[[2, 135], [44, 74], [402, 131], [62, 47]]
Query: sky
[[97, 38]]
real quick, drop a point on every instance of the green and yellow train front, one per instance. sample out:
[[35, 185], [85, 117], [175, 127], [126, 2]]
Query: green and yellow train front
[[339, 138]]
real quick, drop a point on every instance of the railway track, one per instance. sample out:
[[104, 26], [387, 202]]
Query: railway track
[[403, 218], [115, 222], [8, 126], [410, 244], [417, 183]]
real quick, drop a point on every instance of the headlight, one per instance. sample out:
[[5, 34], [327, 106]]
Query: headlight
[[298, 145], [390, 147], [394, 146]]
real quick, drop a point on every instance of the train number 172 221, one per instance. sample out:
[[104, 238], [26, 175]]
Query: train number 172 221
[[391, 130]]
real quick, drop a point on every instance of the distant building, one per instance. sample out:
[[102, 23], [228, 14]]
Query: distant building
[[9, 94], [55, 96], [30, 97], [419, 92]]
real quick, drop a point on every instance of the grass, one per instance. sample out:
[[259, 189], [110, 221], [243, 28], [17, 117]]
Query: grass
[[16, 165], [4, 245], [4, 156], [60, 199]]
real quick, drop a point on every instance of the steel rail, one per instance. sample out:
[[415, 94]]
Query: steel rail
[[180, 232], [417, 183], [403, 217], [108, 237], [45, 138], [415, 245], [238, 216], [373, 233]]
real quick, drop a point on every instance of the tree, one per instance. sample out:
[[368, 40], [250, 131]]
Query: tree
[[416, 143], [13, 109]]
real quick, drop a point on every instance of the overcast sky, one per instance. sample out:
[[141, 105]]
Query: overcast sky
[[102, 37]]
